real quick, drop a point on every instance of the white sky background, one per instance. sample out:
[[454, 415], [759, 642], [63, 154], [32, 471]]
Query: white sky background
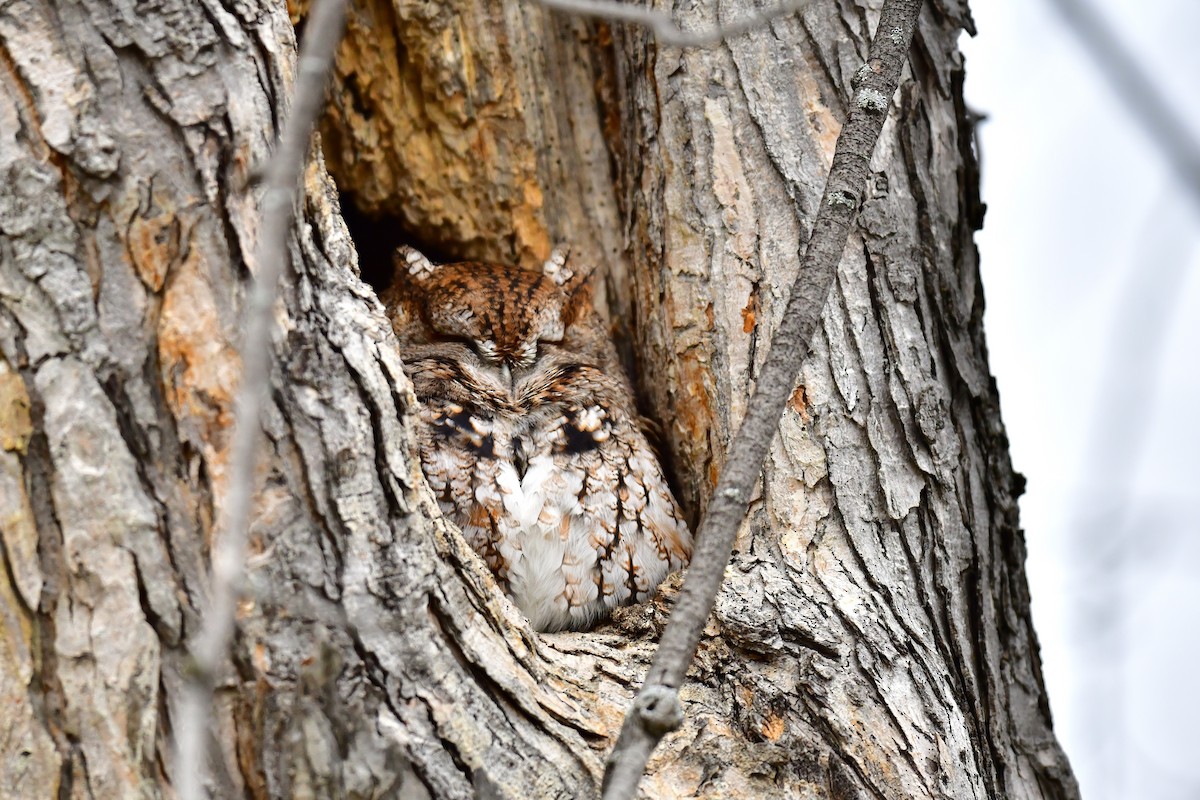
[[1091, 270]]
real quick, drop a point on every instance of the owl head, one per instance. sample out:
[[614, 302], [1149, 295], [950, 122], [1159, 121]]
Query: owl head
[[504, 314]]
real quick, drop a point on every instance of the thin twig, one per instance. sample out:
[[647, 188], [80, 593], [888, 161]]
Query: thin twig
[[282, 176], [660, 23], [1143, 98], [656, 710]]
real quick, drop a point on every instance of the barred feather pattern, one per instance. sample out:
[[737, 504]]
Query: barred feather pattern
[[530, 438]]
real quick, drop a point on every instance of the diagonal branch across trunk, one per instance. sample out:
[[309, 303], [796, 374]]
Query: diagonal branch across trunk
[[656, 710]]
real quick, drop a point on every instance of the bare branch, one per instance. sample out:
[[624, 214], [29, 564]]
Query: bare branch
[[660, 23], [281, 177], [1140, 94], [656, 709]]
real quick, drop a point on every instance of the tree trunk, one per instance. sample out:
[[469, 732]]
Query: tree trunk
[[873, 638]]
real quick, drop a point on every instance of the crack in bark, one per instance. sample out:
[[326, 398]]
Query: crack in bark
[[497, 691], [48, 698]]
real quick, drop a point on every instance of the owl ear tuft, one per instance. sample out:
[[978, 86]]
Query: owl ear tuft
[[567, 273], [413, 262], [555, 268]]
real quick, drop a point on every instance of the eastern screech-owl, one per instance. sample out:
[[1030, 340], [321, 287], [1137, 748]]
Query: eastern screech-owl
[[529, 436]]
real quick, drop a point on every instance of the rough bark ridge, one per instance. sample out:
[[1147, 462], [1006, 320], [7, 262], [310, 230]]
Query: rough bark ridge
[[884, 556], [874, 637]]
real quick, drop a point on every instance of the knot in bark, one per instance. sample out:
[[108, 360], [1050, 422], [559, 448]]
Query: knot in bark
[[659, 710]]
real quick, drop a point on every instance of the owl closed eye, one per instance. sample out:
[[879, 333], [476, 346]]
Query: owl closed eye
[[529, 435]]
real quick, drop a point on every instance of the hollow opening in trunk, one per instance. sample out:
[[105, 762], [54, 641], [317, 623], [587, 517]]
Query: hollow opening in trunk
[[376, 237], [447, 139]]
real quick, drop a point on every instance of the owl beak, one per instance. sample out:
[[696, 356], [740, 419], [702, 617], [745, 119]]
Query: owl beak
[[506, 375]]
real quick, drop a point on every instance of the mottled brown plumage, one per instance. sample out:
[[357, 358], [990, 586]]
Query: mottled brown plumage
[[530, 438]]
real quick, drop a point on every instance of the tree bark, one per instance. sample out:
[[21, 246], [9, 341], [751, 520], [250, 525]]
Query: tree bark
[[873, 637]]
